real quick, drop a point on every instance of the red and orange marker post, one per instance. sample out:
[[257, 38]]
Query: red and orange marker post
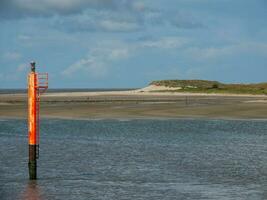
[[37, 84]]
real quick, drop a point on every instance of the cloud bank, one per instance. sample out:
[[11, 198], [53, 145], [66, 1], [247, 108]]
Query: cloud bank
[[96, 15], [29, 8]]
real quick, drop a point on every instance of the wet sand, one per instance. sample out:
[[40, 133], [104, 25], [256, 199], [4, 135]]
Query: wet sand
[[129, 104]]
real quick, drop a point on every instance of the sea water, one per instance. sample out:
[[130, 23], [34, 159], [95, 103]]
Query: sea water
[[136, 159]]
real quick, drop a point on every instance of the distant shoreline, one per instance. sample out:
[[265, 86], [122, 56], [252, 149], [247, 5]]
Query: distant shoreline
[[135, 104], [60, 90], [3, 118]]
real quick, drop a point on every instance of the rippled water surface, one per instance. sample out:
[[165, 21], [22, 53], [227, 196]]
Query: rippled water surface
[[136, 159]]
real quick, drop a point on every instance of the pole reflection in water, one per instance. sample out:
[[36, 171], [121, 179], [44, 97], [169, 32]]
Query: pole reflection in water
[[32, 191]]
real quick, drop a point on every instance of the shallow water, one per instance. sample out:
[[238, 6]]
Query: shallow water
[[136, 159]]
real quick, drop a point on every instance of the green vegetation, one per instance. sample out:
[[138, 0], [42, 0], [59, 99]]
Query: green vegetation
[[203, 86]]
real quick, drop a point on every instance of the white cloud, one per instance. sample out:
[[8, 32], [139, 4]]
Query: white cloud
[[90, 65], [23, 8], [119, 53], [198, 53], [138, 5], [22, 68], [209, 53], [104, 20], [51, 4], [112, 25], [16, 74], [32, 8], [24, 37], [260, 48], [185, 20], [12, 56], [98, 60], [165, 43]]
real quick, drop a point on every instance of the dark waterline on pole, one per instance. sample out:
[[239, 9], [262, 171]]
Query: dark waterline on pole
[[32, 162]]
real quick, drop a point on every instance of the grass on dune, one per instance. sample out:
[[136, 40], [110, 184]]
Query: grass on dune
[[204, 86]]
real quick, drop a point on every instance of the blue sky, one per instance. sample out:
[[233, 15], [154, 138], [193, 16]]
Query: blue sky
[[129, 43]]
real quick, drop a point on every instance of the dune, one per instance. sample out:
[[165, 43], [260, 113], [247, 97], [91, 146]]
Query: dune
[[153, 88]]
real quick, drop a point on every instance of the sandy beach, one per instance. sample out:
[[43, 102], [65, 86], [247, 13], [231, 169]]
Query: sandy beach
[[137, 104]]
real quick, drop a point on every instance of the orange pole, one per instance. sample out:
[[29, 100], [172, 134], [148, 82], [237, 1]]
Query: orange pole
[[37, 84], [32, 94], [32, 122]]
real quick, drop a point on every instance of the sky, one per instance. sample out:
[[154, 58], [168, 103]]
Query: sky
[[129, 43]]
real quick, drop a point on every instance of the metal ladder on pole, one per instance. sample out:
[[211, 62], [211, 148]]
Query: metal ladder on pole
[[37, 124], [42, 85]]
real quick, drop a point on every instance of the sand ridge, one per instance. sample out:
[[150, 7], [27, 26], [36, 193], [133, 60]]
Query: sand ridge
[[138, 104]]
